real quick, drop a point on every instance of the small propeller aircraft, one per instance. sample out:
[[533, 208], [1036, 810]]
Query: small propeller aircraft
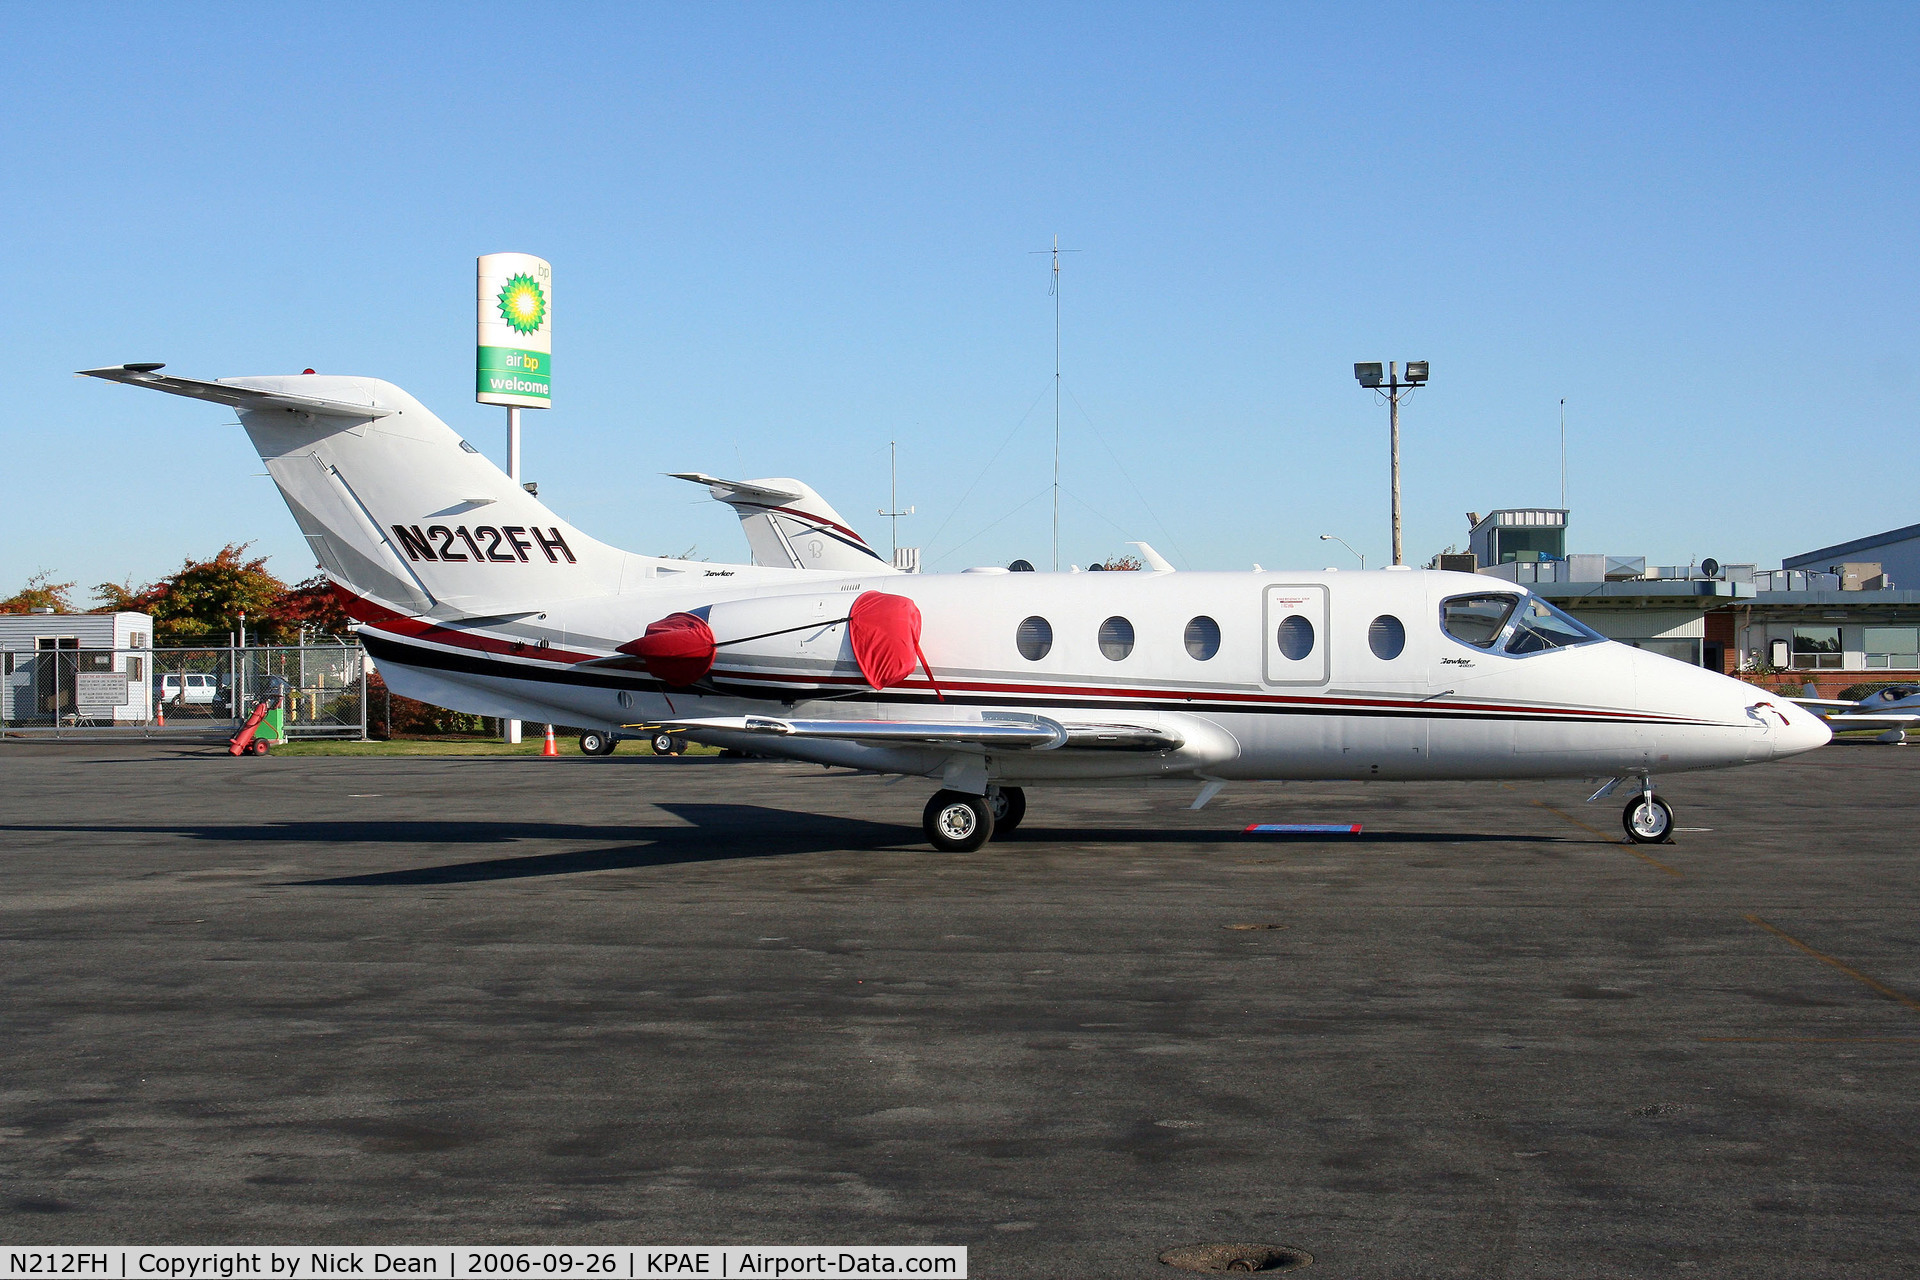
[[471, 594], [1893, 710]]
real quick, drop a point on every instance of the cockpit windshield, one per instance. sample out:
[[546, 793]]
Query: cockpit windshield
[[1476, 620], [1530, 624], [1538, 626]]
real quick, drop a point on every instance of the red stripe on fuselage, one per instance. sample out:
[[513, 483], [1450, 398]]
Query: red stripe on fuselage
[[382, 618], [385, 619]]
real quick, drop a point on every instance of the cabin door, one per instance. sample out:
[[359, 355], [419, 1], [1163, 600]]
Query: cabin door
[[1297, 640]]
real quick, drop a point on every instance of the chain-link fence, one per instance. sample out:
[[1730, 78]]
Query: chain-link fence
[[60, 689]]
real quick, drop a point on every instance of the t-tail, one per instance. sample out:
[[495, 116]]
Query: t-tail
[[789, 526], [403, 515]]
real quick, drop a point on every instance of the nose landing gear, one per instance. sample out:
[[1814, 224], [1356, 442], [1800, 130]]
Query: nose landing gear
[[1648, 819]]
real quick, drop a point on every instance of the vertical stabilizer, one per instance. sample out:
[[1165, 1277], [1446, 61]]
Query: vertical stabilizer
[[400, 511]]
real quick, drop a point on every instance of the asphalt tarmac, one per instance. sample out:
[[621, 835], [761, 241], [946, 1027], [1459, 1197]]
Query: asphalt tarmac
[[638, 1000]]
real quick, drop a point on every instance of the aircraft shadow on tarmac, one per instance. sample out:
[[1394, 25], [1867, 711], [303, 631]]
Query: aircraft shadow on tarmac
[[714, 833]]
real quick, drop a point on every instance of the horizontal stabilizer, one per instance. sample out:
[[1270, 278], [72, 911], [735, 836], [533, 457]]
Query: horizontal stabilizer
[[740, 488], [145, 375]]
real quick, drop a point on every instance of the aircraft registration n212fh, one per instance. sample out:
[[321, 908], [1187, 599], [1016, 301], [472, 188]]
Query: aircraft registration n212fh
[[470, 594]]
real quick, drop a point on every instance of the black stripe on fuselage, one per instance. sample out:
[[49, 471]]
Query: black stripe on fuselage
[[383, 647]]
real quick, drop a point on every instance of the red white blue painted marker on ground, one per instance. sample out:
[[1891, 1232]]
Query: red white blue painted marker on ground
[[1304, 829]]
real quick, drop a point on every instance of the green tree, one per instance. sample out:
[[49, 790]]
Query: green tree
[[39, 593], [202, 601]]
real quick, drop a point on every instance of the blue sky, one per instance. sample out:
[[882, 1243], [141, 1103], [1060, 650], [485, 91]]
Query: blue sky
[[784, 235]]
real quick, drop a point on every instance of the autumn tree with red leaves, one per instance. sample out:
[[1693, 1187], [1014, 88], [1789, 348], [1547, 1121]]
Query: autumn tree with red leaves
[[41, 592], [203, 600]]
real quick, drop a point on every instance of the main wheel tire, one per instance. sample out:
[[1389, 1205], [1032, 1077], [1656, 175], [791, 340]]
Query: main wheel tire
[[956, 822], [1009, 805], [1648, 819], [595, 743], [665, 744]]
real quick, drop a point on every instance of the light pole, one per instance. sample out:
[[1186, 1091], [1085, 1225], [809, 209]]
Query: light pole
[[1328, 537], [1392, 386]]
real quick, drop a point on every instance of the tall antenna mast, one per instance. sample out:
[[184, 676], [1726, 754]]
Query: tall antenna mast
[[1563, 453], [1054, 289], [893, 498]]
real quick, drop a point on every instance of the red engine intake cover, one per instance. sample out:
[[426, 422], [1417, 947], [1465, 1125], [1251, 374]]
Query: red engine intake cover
[[885, 631], [677, 649]]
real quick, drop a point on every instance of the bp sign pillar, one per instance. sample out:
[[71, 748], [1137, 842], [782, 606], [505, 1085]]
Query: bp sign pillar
[[513, 364]]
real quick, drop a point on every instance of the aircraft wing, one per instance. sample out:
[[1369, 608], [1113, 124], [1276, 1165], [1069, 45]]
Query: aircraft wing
[[1817, 703], [1876, 720], [1036, 733], [144, 375]]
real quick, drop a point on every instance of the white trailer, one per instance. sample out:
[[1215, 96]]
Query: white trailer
[[70, 669]]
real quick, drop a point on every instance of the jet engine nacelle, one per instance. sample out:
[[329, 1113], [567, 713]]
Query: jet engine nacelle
[[810, 642]]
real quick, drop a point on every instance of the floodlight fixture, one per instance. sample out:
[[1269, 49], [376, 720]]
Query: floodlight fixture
[[1389, 381]]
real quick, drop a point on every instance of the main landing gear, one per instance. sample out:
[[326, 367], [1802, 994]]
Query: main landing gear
[[1009, 805], [956, 822]]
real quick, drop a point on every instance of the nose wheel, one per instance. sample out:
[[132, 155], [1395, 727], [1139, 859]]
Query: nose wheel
[[1648, 819]]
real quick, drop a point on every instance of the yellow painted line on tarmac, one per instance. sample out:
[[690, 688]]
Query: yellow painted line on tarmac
[[1847, 969]]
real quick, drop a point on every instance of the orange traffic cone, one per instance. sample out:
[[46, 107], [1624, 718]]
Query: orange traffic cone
[[547, 748], [160, 714]]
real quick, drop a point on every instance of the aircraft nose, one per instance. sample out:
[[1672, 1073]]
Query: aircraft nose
[[1803, 732]]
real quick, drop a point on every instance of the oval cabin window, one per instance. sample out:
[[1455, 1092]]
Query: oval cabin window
[[1203, 638], [1034, 638], [1386, 637], [1116, 638], [1296, 638]]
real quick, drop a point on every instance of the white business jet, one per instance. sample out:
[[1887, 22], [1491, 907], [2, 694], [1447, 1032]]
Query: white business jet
[[472, 595]]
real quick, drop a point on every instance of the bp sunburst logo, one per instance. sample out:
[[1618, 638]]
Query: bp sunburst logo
[[522, 305]]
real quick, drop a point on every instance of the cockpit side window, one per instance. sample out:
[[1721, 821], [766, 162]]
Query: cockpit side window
[[1476, 620], [1538, 626]]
